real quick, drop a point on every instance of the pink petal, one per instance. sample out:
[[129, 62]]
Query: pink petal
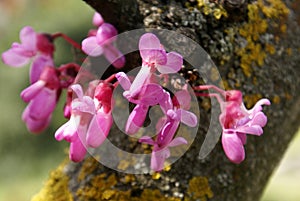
[[184, 99], [98, 129], [154, 57], [77, 90], [31, 91], [151, 94], [13, 59], [139, 80], [106, 34], [167, 133], [97, 20], [146, 140], [243, 137], [259, 119], [233, 148], [188, 118], [177, 141], [77, 150], [166, 103], [173, 65], [136, 119], [123, 80], [91, 47], [28, 38], [158, 159], [114, 56], [160, 124], [149, 41], [35, 125], [38, 65], [43, 104], [86, 104], [68, 131], [254, 130]]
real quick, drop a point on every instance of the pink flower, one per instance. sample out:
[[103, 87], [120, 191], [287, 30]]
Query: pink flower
[[38, 47], [168, 126], [144, 97], [42, 97], [90, 121], [161, 147], [155, 56], [102, 43], [74, 131], [237, 121]]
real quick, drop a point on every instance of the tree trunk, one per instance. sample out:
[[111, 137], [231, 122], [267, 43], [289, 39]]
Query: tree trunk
[[255, 45]]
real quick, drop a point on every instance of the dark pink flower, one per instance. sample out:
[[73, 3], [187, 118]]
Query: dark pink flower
[[34, 46], [102, 43]]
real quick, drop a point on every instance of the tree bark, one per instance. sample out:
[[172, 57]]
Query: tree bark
[[256, 48]]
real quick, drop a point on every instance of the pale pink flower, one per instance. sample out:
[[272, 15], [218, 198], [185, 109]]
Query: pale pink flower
[[102, 43]]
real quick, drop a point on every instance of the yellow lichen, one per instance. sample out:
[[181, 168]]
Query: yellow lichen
[[154, 195], [103, 187], [56, 188], [156, 175], [123, 165], [89, 165], [199, 189], [276, 99], [262, 15], [98, 185], [211, 8]]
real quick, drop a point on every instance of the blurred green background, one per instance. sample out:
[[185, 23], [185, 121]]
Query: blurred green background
[[26, 159]]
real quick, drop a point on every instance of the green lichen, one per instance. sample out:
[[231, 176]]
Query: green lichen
[[263, 16], [56, 188]]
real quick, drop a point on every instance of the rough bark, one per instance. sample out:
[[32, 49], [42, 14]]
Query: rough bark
[[268, 69]]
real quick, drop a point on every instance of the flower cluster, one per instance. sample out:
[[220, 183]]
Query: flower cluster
[[89, 108]]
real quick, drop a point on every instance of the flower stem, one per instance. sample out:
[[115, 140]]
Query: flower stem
[[207, 87], [68, 39]]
